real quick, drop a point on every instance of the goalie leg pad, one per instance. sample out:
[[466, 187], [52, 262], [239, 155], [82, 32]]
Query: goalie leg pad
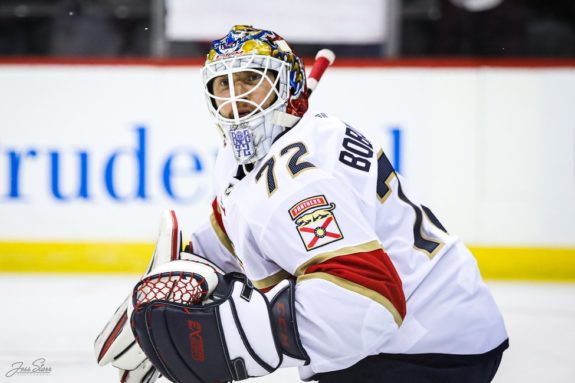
[[228, 339]]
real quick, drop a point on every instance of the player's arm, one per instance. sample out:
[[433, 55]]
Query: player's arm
[[211, 241], [349, 298], [357, 290], [330, 320], [213, 327]]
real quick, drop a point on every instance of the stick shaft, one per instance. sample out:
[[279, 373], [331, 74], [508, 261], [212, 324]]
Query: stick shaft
[[323, 59]]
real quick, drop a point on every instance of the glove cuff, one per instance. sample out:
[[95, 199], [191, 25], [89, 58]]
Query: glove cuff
[[284, 322]]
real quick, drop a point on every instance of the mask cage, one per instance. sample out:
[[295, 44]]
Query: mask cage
[[262, 65]]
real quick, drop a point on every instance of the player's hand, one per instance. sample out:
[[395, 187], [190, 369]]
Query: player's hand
[[229, 330]]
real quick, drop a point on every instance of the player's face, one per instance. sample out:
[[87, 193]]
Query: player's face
[[248, 85]]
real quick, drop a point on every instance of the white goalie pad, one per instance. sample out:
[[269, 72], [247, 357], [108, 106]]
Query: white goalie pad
[[116, 343]]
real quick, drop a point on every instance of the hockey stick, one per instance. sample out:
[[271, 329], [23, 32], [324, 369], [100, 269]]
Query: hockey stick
[[323, 59]]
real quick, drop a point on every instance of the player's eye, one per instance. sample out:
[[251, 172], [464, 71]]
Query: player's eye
[[220, 84], [253, 78]]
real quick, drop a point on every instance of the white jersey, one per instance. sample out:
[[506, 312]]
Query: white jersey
[[376, 272]]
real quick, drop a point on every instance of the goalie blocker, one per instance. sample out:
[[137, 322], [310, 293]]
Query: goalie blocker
[[234, 333]]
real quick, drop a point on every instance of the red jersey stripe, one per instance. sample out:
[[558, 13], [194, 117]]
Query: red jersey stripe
[[372, 270], [218, 216]]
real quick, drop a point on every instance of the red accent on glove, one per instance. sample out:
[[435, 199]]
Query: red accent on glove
[[113, 335]]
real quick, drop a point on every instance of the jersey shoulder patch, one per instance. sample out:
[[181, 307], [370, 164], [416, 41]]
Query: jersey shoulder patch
[[315, 222]]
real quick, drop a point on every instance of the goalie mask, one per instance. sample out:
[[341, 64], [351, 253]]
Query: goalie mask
[[255, 87]]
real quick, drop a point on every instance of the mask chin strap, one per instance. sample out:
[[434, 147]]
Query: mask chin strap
[[284, 119]]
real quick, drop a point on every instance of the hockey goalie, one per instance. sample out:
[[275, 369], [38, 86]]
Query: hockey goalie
[[316, 254]]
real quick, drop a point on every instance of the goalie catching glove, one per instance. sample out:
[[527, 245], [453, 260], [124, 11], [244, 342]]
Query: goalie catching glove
[[196, 324]]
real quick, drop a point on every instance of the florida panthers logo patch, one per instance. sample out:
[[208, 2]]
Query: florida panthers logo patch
[[315, 222]]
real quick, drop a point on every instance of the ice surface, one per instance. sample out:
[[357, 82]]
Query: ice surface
[[57, 317]]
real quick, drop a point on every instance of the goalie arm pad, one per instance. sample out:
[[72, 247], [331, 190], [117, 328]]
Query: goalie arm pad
[[239, 334]]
